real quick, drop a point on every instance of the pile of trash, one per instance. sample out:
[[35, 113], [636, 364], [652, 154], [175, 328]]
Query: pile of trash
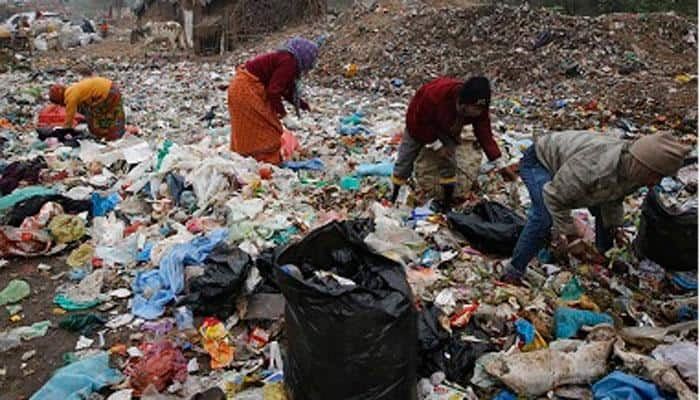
[[573, 71], [183, 270], [54, 34]]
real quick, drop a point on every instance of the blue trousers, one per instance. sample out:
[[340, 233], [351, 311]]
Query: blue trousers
[[539, 221]]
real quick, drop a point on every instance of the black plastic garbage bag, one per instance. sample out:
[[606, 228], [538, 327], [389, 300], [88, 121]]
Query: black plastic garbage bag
[[671, 240], [490, 227], [346, 340], [440, 351], [215, 292]]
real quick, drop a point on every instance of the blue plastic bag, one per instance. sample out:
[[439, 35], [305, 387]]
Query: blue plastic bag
[[348, 130], [621, 386], [169, 279], [568, 321], [314, 164], [525, 330], [77, 380], [102, 205], [385, 168], [505, 395]]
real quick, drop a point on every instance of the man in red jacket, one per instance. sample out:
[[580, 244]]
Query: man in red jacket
[[435, 118]]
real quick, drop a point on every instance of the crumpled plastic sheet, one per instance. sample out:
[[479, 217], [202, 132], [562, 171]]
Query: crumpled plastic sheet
[[67, 228], [79, 379], [84, 295], [568, 321], [23, 242], [161, 364], [619, 385], [81, 256], [315, 164], [101, 205], [13, 338], [379, 169], [15, 291], [156, 288]]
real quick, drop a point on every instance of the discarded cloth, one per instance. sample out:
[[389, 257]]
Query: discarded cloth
[[683, 356], [21, 171], [156, 288], [23, 194], [32, 205], [79, 379], [621, 386], [568, 321], [161, 364]]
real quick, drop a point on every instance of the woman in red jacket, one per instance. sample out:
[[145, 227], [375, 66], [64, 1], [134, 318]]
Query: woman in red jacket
[[255, 98]]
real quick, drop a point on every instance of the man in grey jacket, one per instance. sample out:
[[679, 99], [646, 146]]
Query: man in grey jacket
[[580, 169]]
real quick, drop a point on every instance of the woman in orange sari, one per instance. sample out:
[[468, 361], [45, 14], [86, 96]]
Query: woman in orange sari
[[255, 98]]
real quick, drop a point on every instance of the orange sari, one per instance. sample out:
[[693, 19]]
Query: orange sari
[[255, 128]]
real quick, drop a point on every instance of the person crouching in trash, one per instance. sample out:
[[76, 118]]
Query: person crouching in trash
[[255, 98], [99, 100], [576, 169], [435, 118]]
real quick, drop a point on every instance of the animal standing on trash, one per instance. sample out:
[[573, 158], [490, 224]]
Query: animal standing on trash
[[435, 118], [170, 32], [99, 100], [255, 98], [576, 169]]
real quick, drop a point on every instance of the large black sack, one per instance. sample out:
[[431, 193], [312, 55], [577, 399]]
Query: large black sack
[[671, 240], [215, 292], [346, 341], [489, 227]]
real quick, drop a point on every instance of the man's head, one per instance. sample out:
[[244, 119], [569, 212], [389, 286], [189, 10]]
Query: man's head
[[658, 155], [474, 97]]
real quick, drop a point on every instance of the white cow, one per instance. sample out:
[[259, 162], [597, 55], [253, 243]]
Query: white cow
[[153, 32]]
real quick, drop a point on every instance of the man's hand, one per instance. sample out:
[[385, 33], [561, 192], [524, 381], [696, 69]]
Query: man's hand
[[508, 173], [446, 152]]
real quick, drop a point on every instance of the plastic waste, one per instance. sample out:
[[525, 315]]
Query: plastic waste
[[572, 291], [350, 183], [156, 288], [12, 338], [184, 318], [15, 291], [379, 304], [568, 362], [101, 205], [81, 256], [161, 364], [378, 169], [83, 323], [670, 239], [505, 395], [314, 164], [67, 228], [216, 342], [215, 292], [618, 385], [489, 227], [568, 321], [79, 379]]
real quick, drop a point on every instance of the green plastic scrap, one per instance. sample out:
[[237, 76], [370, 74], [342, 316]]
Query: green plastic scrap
[[32, 331], [84, 323], [70, 305], [163, 152], [572, 291], [22, 194], [15, 291], [13, 309]]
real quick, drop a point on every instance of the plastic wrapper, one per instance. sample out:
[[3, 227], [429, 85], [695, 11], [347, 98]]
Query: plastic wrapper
[[79, 379]]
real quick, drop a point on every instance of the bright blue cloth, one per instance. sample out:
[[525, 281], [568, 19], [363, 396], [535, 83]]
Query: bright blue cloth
[[568, 321], [77, 380], [169, 279], [621, 386], [525, 330], [385, 168], [505, 395], [314, 164], [22, 194], [102, 205]]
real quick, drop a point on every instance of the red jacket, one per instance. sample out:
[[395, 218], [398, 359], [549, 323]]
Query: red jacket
[[278, 71], [433, 110]]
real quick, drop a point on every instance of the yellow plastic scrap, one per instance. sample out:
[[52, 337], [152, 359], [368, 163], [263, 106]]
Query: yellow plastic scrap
[[538, 344], [67, 228], [683, 78], [215, 342], [350, 70], [274, 391], [81, 256]]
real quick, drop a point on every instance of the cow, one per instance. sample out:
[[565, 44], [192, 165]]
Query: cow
[[152, 32]]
